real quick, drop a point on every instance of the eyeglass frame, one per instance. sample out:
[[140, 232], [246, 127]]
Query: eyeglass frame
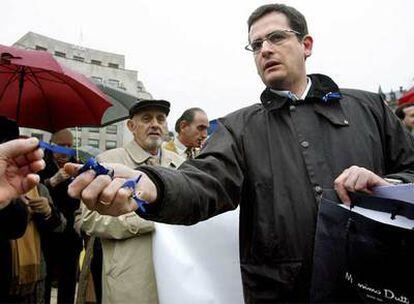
[[268, 36]]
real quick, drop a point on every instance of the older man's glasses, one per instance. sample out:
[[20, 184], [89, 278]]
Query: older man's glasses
[[275, 38]]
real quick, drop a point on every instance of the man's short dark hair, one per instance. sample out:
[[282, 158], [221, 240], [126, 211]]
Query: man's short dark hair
[[297, 21], [400, 110], [9, 129], [187, 116]]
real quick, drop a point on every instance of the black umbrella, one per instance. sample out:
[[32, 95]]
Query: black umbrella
[[121, 103]]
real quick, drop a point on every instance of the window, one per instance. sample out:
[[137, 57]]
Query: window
[[78, 58], [110, 144], [97, 62], [93, 142], [113, 65], [111, 129], [60, 54], [40, 48], [39, 136], [113, 82], [94, 130], [97, 79]]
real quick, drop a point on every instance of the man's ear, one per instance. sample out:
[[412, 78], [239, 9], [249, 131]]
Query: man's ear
[[307, 45], [131, 125], [183, 124]]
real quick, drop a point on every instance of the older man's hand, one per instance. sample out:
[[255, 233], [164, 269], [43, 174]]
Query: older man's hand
[[356, 179], [20, 159], [106, 195]]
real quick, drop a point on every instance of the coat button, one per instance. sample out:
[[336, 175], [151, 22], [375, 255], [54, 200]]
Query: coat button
[[292, 108], [318, 190], [304, 144]]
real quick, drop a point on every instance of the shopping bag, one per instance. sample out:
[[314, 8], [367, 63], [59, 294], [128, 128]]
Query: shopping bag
[[360, 258]]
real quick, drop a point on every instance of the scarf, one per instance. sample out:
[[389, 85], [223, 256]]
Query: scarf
[[26, 257]]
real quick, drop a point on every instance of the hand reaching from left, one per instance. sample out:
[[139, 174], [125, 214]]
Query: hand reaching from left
[[20, 159]]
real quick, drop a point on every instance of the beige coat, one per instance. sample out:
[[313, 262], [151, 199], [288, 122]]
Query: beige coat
[[128, 270]]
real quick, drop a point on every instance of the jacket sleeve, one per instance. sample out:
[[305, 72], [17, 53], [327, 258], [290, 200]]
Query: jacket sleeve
[[399, 143], [203, 187], [109, 227]]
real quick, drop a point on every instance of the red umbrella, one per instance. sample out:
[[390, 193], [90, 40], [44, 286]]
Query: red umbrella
[[38, 92], [408, 97]]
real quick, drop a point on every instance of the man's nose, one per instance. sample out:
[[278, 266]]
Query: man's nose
[[267, 48], [155, 123], [204, 134]]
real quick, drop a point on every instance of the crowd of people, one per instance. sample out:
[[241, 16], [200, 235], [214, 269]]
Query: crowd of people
[[58, 226], [274, 159]]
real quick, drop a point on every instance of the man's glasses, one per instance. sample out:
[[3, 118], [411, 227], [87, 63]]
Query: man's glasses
[[275, 38]]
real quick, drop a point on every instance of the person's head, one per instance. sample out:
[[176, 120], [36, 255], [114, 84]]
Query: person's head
[[406, 114], [9, 129], [192, 127], [63, 138], [148, 123], [279, 40]]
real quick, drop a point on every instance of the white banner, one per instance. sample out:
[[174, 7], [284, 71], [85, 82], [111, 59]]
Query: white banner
[[199, 263]]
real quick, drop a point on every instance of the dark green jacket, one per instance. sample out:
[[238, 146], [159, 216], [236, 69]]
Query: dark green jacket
[[274, 159]]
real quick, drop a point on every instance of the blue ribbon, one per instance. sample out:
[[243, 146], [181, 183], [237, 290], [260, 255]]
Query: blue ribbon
[[92, 164], [131, 184], [57, 148]]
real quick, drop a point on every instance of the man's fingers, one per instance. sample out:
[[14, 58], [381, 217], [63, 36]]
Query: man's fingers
[[30, 181], [17, 147], [35, 155], [32, 167], [37, 165], [92, 191], [350, 181], [27, 158], [76, 187], [340, 187], [356, 179], [122, 203], [343, 195], [72, 168], [362, 183], [109, 193]]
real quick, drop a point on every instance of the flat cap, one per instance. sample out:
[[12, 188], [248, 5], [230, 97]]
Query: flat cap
[[145, 104]]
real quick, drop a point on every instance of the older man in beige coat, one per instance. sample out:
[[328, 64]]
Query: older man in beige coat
[[128, 270]]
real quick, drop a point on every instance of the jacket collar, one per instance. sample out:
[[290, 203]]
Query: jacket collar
[[170, 159], [136, 152], [140, 156], [324, 94]]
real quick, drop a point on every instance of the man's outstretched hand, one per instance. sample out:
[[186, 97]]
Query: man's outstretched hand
[[106, 195]]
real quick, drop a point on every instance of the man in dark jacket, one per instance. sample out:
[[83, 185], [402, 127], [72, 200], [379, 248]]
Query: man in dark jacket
[[274, 159]]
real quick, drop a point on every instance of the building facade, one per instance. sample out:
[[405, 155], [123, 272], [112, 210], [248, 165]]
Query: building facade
[[391, 97], [102, 67]]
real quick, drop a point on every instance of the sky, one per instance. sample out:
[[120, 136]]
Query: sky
[[191, 52]]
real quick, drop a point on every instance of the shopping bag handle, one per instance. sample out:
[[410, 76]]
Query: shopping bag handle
[[371, 202], [387, 205]]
